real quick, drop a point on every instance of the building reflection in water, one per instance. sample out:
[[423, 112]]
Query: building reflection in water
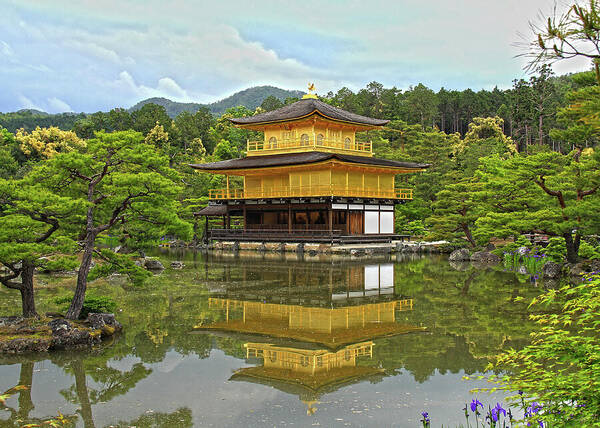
[[309, 344]]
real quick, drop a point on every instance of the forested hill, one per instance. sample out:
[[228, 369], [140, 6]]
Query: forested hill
[[249, 98]]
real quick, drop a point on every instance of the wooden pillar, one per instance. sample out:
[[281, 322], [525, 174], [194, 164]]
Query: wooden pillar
[[227, 177], [290, 217], [330, 218], [228, 220], [206, 229]]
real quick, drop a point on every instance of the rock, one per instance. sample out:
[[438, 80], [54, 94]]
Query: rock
[[177, 264], [551, 270], [584, 267], [357, 252], [105, 323], [10, 321], [54, 315], [153, 264], [462, 254], [522, 251], [485, 256], [60, 326], [65, 335], [490, 247], [139, 263]]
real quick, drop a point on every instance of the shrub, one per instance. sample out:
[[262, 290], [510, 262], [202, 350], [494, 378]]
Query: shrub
[[560, 369], [556, 250], [91, 305]]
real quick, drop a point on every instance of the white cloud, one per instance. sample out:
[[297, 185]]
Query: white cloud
[[26, 103], [58, 106], [166, 87], [5, 48]]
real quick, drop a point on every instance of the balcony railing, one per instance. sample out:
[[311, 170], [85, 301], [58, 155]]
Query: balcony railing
[[308, 143], [309, 191]]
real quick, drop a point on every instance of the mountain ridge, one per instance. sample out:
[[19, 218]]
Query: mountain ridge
[[249, 98]]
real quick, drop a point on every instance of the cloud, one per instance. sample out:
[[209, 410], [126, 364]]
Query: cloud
[[96, 58], [26, 103], [166, 87], [58, 106], [5, 49]]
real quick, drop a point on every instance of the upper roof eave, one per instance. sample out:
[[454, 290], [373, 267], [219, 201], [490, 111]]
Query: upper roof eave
[[305, 108]]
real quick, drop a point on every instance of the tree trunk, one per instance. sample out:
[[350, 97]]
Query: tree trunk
[[467, 232], [84, 270], [26, 289], [572, 246], [541, 132]]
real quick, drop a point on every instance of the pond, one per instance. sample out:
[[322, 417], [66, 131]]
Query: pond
[[278, 340]]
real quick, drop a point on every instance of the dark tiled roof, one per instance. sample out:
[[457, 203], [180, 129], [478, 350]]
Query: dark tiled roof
[[304, 108], [302, 158], [211, 210]]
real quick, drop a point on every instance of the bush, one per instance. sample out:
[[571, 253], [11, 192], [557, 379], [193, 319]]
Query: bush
[[91, 305], [559, 369], [588, 251], [556, 250]]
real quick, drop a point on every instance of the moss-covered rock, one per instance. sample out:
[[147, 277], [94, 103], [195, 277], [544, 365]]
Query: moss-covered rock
[[24, 335]]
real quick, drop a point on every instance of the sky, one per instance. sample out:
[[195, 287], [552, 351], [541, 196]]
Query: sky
[[90, 55]]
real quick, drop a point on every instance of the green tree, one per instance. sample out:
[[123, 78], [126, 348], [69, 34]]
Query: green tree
[[422, 103], [548, 192], [455, 210], [30, 220], [271, 103], [575, 33], [148, 116], [129, 191]]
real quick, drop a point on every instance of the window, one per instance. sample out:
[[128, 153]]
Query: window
[[304, 360], [304, 140], [320, 139], [273, 142], [348, 143]]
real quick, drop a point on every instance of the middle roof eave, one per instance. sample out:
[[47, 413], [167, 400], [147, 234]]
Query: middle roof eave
[[289, 159]]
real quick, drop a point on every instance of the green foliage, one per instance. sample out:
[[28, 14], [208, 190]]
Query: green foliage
[[556, 250], [559, 368], [92, 304], [588, 251], [548, 192], [118, 263], [59, 263], [30, 119]]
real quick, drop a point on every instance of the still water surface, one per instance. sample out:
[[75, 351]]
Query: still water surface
[[278, 340]]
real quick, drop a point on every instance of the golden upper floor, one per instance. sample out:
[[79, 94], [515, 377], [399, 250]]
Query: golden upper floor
[[309, 125]]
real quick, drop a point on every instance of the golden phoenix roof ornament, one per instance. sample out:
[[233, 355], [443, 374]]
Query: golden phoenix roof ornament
[[311, 88]]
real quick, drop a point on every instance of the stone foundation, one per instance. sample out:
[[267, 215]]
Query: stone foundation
[[311, 249]]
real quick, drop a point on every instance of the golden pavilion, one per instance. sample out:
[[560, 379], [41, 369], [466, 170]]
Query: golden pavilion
[[309, 179]]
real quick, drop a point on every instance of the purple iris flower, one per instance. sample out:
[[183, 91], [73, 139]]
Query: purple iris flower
[[534, 408], [425, 416], [496, 412], [474, 405]]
